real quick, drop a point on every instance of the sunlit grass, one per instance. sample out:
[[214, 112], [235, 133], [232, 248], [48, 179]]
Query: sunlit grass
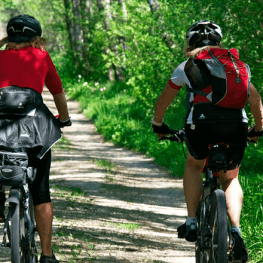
[[252, 214], [62, 144]]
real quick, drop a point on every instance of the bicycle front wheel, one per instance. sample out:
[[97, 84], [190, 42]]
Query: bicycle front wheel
[[14, 233], [27, 234], [218, 227]]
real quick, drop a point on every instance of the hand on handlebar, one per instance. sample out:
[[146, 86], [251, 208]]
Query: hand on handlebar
[[253, 136], [177, 136], [65, 123], [163, 129]]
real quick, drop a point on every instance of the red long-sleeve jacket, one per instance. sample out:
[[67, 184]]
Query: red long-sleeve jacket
[[29, 67]]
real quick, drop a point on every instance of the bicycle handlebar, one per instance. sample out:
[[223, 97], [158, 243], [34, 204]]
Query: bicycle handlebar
[[179, 135]]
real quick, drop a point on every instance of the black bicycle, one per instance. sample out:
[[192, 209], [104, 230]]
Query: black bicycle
[[19, 225], [214, 240]]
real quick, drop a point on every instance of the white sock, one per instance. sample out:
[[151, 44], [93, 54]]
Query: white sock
[[191, 222]]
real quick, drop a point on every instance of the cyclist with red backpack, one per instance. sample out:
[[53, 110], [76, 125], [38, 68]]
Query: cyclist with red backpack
[[219, 87], [25, 67]]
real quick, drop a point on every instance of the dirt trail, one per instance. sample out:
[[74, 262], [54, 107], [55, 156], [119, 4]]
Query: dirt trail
[[125, 209]]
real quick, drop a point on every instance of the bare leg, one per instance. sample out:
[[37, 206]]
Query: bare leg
[[44, 218], [234, 195], [193, 178]]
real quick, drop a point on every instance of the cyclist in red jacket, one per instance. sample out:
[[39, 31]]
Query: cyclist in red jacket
[[216, 114], [26, 65]]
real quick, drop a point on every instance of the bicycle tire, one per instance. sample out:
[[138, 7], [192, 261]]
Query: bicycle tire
[[197, 249], [15, 233], [218, 226], [23, 241], [33, 256]]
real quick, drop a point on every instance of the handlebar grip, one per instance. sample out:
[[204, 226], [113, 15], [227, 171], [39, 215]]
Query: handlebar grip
[[177, 136]]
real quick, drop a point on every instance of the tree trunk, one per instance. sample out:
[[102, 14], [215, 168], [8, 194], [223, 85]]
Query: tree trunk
[[115, 72], [154, 5], [78, 38], [100, 5], [86, 15], [73, 20], [69, 23], [120, 71]]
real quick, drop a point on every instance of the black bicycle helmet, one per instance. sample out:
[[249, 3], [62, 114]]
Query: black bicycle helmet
[[23, 28], [204, 33]]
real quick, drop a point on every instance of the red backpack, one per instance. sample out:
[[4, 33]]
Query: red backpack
[[219, 77]]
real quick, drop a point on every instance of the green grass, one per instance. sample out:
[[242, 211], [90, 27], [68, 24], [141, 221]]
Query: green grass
[[252, 214], [69, 194], [128, 226], [62, 144], [104, 163], [125, 120]]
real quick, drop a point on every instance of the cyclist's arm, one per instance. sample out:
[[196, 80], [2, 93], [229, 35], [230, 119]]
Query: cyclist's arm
[[163, 102], [61, 104], [255, 104]]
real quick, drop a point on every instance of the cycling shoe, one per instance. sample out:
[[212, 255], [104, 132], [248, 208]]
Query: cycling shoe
[[189, 234], [239, 251], [48, 259], [2, 207]]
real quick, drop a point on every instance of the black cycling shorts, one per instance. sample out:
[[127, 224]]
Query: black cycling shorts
[[40, 187], [201, 135]]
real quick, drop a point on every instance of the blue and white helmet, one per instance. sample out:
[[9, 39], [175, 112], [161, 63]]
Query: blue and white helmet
[[204, 33]]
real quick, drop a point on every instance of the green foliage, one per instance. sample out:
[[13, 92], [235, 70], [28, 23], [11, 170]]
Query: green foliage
[[252, 214]]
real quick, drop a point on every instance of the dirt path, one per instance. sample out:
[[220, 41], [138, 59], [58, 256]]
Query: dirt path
[[111, 204]]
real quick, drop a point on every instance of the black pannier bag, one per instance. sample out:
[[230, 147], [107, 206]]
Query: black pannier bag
[[17, 100], [14, 170]]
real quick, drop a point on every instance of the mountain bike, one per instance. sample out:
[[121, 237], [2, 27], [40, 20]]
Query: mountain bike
[[19, 225], [214, 240]]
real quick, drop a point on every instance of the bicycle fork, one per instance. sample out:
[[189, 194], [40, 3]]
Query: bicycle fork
[[13, 200], [28, 241]]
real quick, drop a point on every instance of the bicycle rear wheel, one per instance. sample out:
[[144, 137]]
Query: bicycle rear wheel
[[199, 238], [218, 226], [14, 233], [201, 255]]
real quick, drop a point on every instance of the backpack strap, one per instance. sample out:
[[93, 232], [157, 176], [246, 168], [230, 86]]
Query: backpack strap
[[249, 79], [196, 91], [199, 92]]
